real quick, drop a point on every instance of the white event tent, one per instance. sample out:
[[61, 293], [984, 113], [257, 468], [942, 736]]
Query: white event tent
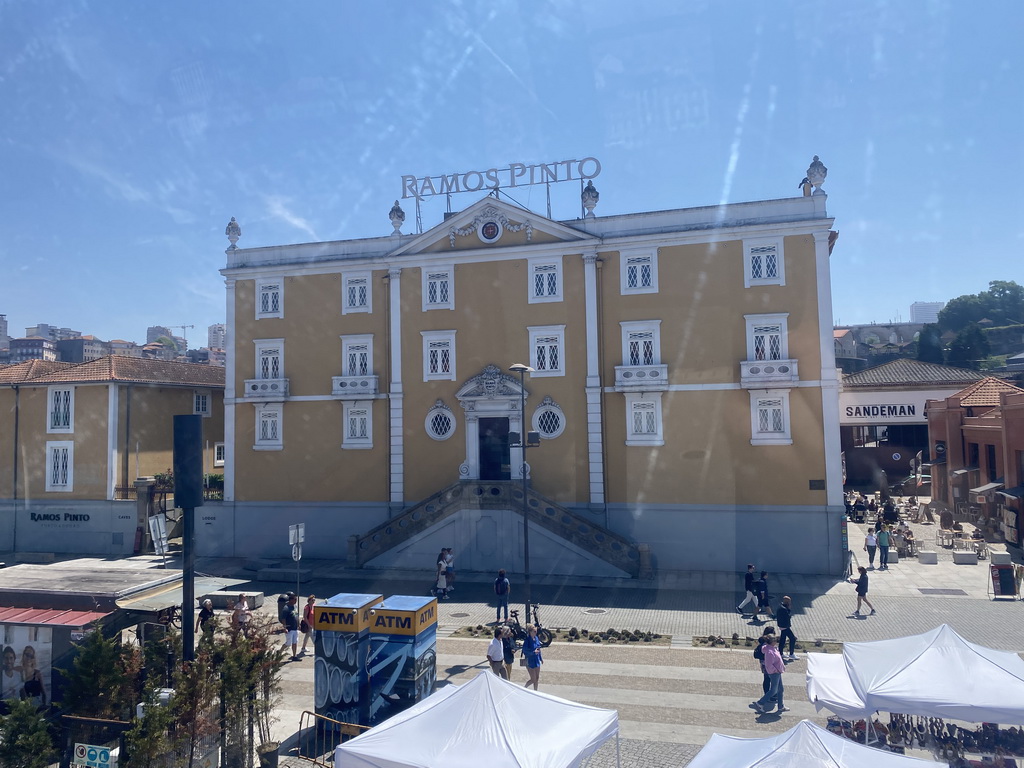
[[488, 721], [805, 745], [935, 674]]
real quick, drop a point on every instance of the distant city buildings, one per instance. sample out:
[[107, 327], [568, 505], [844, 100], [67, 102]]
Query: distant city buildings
[[5, 340], [926, 311], [154, 332], [81, 350], [216, 336], [46, 331], [33, 348]]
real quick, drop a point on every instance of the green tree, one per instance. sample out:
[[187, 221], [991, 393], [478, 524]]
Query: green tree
[[929, 344], [102, 681], [1008, 301], [25, 740], [964, 310], [969, 348], [1002, 303]]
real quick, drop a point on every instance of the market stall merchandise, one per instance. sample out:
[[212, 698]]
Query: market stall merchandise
[[488, 721], [805, 745], [935, 674]]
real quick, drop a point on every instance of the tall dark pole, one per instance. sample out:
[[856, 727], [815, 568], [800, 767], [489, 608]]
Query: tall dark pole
[[188, 494], [521, 370]]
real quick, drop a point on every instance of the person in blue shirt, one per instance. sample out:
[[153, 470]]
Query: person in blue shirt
[[531, 652]]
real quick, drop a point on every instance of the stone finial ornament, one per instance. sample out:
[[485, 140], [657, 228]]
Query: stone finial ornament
[[397, 217], [590, 196], [233, 231], [816, 174]]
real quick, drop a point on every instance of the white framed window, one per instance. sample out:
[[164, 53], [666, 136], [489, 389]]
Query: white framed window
[[357, 355], [545, 277], [548, 419], [767, 337], [438, 355], [60, 466], [269, 358], [638, 271], [641, 342], [438, 288], [269, 427], [440, 421], [60, 416], [357, 431], [218, 454], [763, 262], [269, 299], [201, 403], [547, 350], [769, 417], [643, 419], [356, 293]]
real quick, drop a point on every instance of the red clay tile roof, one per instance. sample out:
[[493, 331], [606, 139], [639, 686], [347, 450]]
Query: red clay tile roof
[[838, 333], [985, 393], [137, 370], [905, 372], [30, 369]]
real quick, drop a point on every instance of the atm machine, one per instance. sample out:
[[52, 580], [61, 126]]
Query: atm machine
[[401, 663], [342, 625]]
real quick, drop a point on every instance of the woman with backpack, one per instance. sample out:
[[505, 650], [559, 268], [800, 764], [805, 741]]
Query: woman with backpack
[[501, 590], [759, 655]]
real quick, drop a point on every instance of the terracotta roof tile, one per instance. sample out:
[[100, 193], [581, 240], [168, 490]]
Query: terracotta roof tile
[[985, 393], [120, 368], [905, 371], [838, 333], [30, 369]]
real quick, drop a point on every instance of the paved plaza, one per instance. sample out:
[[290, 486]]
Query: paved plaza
[[671, 699]]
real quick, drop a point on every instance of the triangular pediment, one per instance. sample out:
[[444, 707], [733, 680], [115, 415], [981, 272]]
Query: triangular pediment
[[492, 223]]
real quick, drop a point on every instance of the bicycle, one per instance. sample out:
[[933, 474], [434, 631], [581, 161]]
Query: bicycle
[[519, 631]]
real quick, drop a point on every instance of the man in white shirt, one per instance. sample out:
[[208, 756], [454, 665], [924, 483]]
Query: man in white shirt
[[496, 655], [12, 681]]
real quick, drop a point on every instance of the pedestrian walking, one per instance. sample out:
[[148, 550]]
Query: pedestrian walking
[[862, 591], [306, 625], [870, 545], [441, 578], [282, 603], [883, 547], [502, 588], [759, 655], [508, 646], [775, 667], [449, 568], [763, 600], [785, 619], [496, 655], [243, 614], [291, 626], [748, 585], [531, 652], [205, 614]]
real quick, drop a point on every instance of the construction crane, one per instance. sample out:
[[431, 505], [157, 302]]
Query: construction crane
[[183, 327]]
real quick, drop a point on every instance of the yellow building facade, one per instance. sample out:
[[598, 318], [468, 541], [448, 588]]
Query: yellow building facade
[[75, 437], [683, 392]]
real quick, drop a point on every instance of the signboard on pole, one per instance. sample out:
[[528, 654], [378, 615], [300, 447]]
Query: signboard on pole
[[92, 756], [296, 533], [158, 531]]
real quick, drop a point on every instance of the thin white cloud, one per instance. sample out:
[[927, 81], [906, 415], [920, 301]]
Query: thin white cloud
[[277, 207]]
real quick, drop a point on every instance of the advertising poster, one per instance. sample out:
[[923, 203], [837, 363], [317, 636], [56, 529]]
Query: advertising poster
[[26, 663]]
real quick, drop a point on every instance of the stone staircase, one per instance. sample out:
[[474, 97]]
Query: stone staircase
[[474, 494]]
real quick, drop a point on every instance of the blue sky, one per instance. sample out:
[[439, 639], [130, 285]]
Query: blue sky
[[131, 132]]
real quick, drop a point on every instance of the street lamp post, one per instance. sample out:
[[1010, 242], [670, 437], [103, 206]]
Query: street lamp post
[[524, 442]]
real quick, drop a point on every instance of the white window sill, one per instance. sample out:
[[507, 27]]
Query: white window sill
[[634, 443], [545, 374], [356, 446], [60, 490], [275, 447], [771, 441], [545, 299]]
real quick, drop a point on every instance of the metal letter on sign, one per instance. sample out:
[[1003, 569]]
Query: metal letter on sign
[[296, 552]]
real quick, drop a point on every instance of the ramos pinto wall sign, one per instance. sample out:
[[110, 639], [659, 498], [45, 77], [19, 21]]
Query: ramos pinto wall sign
[[515, 175]]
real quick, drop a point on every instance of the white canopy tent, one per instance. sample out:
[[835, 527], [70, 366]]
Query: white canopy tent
[[935, 674], [805, 745], [488, 721]]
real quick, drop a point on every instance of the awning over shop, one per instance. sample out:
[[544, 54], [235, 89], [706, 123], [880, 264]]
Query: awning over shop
[[171, 595], [1017, 492], [53, 616], [986, 488], [964, 471]]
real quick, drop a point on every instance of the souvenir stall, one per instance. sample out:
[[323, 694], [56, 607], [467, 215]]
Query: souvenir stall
[[924, 680]]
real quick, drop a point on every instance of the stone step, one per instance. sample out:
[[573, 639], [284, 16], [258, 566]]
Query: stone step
[[35, 557], [259, 563], [284, 575], [222, 599]]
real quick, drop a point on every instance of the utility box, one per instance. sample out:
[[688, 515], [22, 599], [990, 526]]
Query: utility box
[[402, 660], [342, 625]]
